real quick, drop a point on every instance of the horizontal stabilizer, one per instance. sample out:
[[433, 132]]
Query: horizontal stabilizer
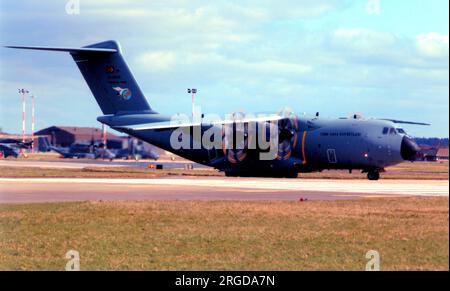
[[66, 49]]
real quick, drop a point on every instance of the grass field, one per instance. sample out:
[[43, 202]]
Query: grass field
[[409, 234], [415, 171]]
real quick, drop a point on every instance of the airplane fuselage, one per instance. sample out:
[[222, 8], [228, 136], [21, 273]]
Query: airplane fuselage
[[318, 144]]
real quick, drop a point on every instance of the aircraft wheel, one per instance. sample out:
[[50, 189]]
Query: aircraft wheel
[[373, 175], [230, 174], [292, 175]]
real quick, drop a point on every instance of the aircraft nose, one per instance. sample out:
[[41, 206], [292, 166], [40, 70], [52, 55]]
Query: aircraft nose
[[409, 149]]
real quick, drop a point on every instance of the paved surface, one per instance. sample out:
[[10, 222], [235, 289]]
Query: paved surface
[[83, 163], [27, 190]]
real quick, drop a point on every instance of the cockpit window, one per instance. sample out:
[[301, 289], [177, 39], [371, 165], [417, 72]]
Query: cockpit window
[[401, 130], [385, 130], [392, 131]]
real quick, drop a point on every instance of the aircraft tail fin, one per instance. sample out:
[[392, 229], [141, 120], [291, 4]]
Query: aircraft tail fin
[[43, 144], [107, 75]]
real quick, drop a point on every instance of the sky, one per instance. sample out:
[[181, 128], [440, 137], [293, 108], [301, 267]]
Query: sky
[[383, 59]]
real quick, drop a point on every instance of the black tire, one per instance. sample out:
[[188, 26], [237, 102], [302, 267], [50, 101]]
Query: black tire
[[292, 175], [373, 175], [230, 174]]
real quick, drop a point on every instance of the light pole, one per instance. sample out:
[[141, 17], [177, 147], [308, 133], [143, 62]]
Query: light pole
[[193, 91], [23, 92], [104, 137], [33, 120]]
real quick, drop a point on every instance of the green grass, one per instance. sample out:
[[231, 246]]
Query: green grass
[[409, 233]]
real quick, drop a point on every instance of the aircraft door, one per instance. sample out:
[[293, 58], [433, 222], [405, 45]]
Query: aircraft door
[[331, 154]]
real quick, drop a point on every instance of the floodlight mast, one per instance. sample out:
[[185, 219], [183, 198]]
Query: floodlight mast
[[23, 92], [104, 135], [193, 91], [33, 121]]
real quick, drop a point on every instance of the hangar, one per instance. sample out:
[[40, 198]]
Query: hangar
[[442, 154], [64, 136]]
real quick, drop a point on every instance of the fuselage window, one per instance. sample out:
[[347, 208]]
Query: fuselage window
[[401, 130], [385, 130], [392, 131]]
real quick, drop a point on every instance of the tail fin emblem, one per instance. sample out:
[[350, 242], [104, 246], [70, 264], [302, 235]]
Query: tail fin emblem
[[124, 93]]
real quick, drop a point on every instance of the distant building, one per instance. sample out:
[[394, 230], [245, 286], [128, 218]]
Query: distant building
[[427, 153], [442, 154], [432, 154], [64, 136], [27, 137]]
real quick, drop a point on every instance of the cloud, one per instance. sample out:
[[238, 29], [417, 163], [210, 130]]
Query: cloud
[[163, 61], [303, 9], [262, 10], [376, 48], [158, 61], [373, 7], [362, 39], [433, 45]]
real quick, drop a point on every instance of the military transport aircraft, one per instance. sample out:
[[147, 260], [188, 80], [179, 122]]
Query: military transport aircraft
[[136, 151], [11, 147], [296, 143], [90, 150]]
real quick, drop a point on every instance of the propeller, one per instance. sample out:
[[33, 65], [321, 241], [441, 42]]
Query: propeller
[[238, 151], [287, 137]]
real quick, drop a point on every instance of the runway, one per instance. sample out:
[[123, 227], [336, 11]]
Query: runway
[[33, 190], [86, 163]]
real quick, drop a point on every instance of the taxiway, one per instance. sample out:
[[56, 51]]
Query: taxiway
[[34, 190]]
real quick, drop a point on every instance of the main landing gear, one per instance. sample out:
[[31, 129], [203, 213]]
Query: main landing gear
[[373, 175]]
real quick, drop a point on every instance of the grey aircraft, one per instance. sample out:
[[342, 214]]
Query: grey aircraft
[[303, 144], [136, 151], [81, 151], [11, 147]]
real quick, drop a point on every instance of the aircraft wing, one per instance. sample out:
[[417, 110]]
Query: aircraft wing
[[9, 140], [59, 151], [13, 143], [177, 124], [406, 122], [5, 146]]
